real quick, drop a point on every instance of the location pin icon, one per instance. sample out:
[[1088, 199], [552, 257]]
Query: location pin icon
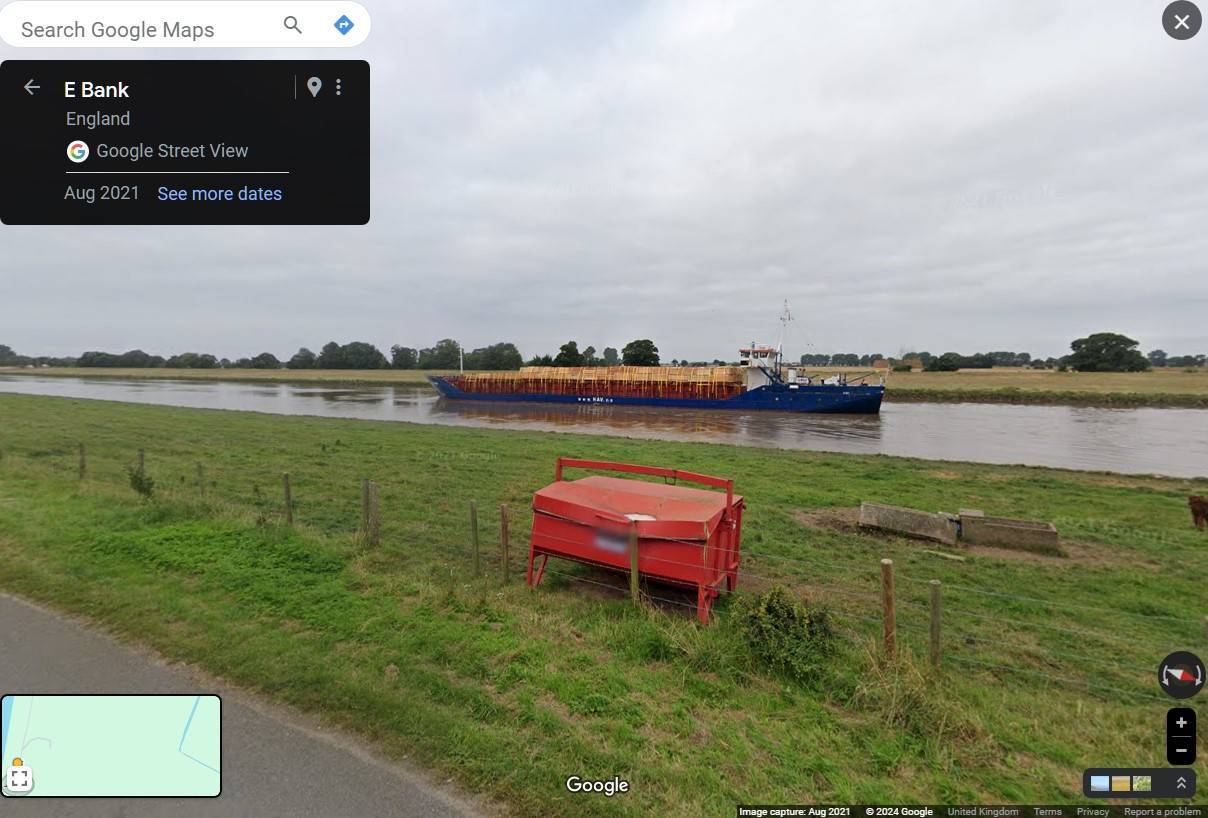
[[314, 85]]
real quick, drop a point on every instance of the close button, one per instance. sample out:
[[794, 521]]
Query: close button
[[1182, 19]]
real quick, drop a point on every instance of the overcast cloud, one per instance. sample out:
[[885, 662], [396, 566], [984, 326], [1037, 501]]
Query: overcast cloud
[[969, 176]]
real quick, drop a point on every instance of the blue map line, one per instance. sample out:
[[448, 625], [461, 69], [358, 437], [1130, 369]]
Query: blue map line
[[181, 747], [6, 715]]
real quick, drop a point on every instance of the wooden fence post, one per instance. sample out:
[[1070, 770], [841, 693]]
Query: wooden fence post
[[634, 590], [364, 506], [503, 540], [289, 499], [375, 515], [474, 537], [890, 622], [935, 624], [83, 462], [142, 461]]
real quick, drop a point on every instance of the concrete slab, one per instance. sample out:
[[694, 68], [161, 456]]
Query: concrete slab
[[1026, 535], [909, 522]]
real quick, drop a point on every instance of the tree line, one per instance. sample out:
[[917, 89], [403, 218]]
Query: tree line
[[444, 354], [1099, 352], [979, 360], [640, 352], [1159, 358], [841, 359]]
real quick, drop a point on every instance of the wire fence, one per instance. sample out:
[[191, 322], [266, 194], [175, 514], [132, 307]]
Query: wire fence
[[1033, 639]]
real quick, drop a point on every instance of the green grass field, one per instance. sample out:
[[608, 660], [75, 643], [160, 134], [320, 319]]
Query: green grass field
[[1049, 663], [1159, 387]]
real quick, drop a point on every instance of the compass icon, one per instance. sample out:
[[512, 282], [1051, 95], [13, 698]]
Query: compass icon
[[1181, 674]]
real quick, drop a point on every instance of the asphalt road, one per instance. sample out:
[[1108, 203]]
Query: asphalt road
[[275, 762]]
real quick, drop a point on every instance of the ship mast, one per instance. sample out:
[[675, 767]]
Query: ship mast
[[785, 318]]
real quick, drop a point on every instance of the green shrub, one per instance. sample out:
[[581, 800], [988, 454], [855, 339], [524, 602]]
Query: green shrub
[[902, 368], [141, 482], [784, 634]]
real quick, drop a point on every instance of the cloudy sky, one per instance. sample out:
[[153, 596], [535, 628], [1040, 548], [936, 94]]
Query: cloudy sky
[[967, 177]]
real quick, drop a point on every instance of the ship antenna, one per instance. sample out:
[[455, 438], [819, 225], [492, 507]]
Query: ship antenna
[[785, 318]]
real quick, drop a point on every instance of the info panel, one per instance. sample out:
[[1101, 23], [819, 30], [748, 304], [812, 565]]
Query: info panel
[[184, 142]]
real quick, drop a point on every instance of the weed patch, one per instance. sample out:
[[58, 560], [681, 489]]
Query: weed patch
[[785, 635]]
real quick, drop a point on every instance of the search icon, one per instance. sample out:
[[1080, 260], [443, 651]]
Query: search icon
[[291, 22]]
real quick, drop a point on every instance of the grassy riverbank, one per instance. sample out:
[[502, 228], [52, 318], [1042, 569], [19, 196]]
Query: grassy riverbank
[[1160, 387], [1049, 662]]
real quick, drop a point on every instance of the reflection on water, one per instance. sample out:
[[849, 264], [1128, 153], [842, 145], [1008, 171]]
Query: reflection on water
[[1146, 441], [779, 430]]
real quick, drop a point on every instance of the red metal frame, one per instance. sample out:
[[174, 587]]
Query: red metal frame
[[697, 543], [652, 471]]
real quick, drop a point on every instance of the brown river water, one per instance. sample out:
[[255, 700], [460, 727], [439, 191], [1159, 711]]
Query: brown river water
[[1171, 442]]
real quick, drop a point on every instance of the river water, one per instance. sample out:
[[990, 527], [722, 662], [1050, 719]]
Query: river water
[[1170, 442]]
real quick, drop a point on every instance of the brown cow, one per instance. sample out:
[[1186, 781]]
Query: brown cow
[[1199, 511]]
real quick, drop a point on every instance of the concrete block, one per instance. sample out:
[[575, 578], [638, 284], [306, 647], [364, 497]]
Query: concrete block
[[971, 512], [1026, 535], [908, 522]]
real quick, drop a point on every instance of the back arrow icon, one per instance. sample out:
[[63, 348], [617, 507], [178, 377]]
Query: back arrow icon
[[31, 86]]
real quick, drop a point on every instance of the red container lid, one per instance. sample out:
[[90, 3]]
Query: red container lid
[[660, 511]]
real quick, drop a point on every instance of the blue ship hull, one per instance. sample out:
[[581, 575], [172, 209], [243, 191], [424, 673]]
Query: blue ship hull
[[863, 400]]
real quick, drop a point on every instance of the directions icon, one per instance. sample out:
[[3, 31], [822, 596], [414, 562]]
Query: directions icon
[[1181, 674]]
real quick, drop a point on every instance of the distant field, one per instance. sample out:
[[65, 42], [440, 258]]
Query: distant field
[[1158, 381], [1160, 387]]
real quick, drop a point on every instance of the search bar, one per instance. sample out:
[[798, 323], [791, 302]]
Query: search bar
[[183, 24]]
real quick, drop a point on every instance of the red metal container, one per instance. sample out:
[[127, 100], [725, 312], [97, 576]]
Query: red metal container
[[688, 537]]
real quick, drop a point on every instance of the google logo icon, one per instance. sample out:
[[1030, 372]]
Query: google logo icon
[[77, 151]]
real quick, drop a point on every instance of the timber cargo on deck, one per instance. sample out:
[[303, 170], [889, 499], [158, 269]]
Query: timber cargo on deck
[[688, 537], [759, 382]]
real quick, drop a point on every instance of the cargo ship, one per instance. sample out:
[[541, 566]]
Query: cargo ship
[[759, 382]]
